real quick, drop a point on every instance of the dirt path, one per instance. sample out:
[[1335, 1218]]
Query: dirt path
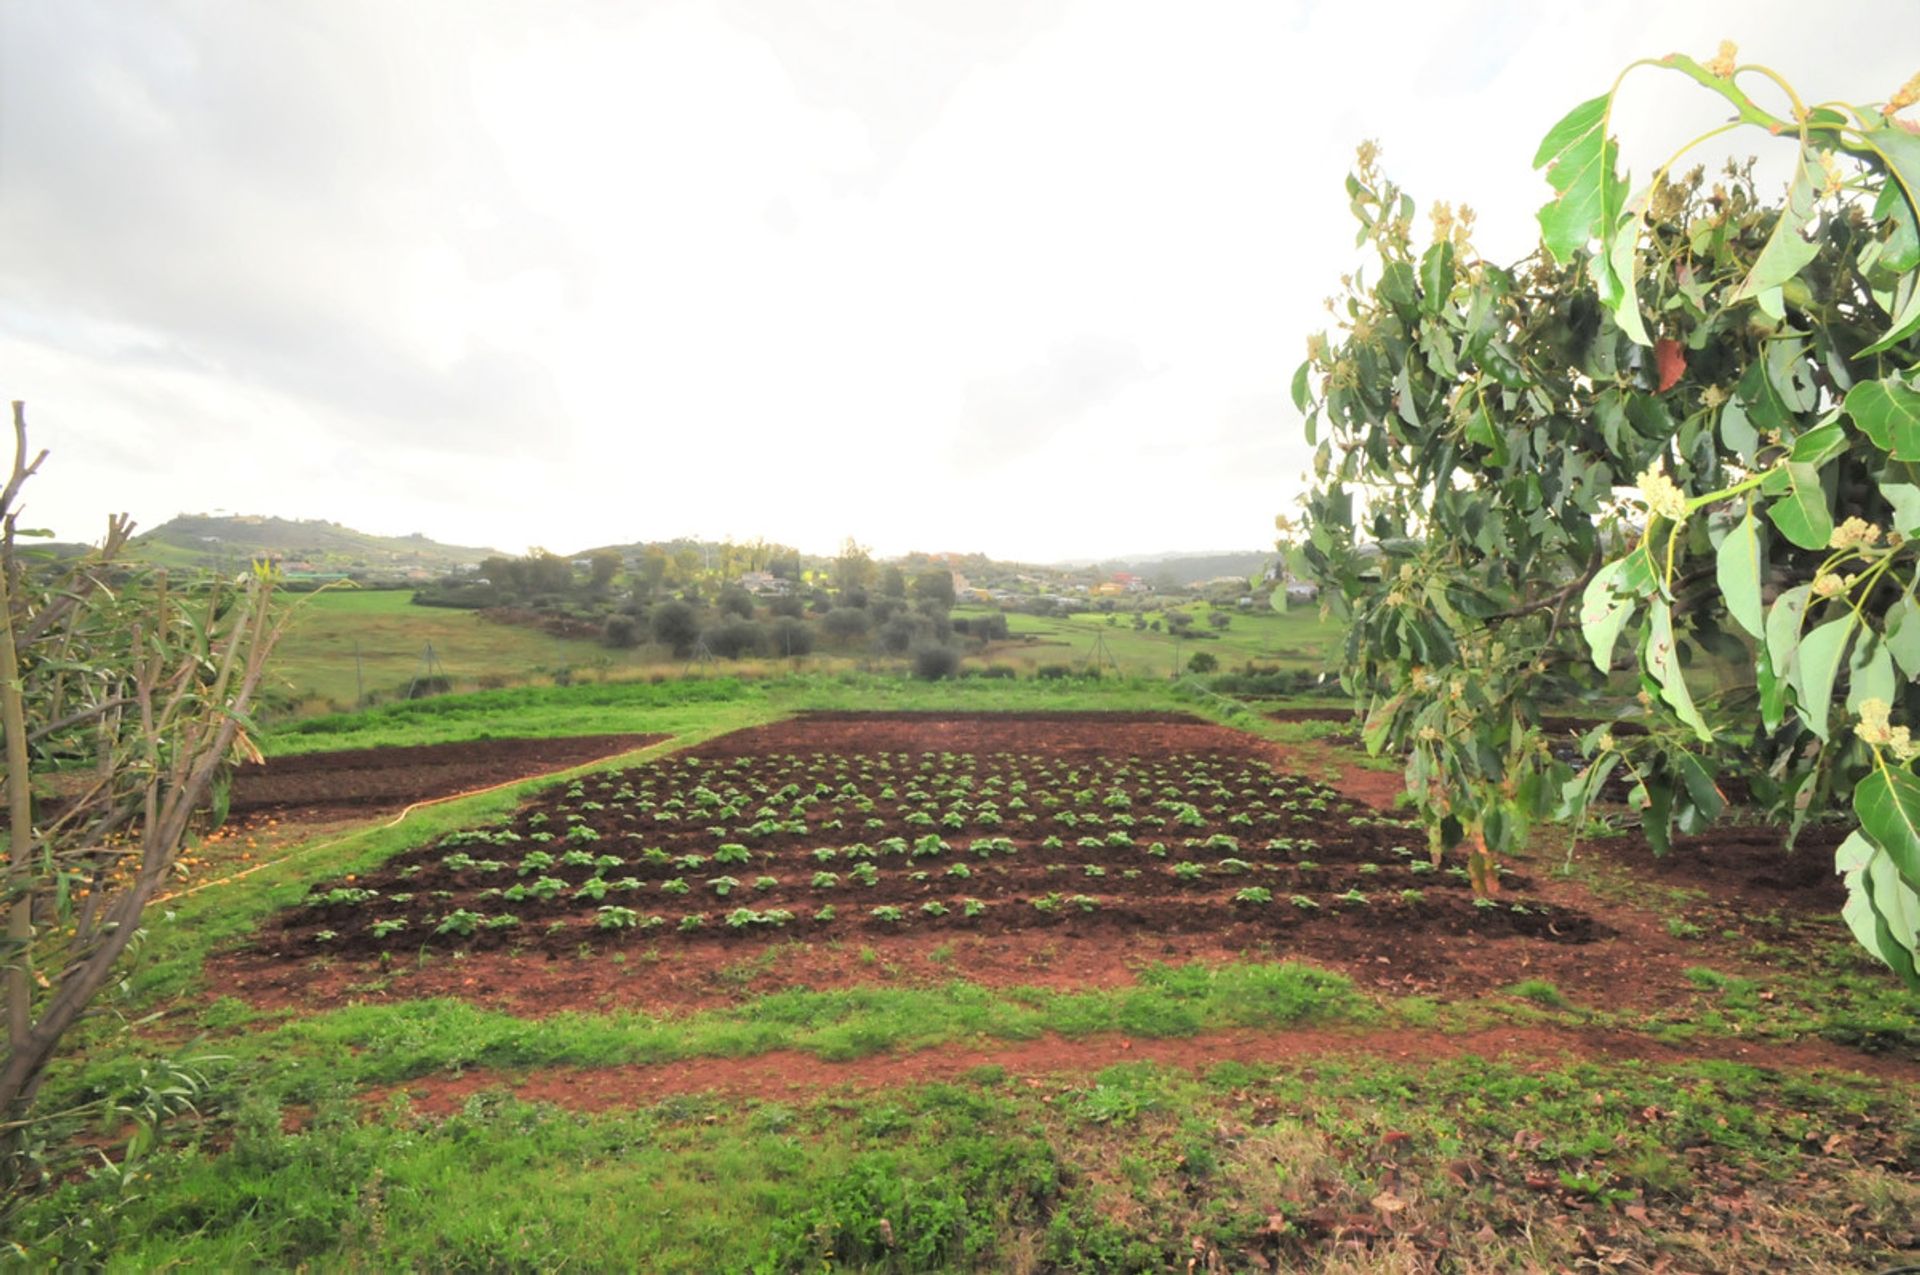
[[790, 1074]]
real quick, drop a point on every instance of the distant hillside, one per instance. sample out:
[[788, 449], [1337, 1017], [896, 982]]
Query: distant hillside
[[202, 540], [1188, 568]]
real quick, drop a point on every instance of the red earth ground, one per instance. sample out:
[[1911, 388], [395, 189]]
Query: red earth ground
[[294, 803], [371, 780], [1632, 963], [787, 1074]]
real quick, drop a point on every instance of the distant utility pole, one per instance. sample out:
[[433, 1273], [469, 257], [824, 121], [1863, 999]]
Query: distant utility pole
[[1100, 653], [702, 655], [429, 661]]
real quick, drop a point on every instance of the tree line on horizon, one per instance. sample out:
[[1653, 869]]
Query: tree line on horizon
[[759, 603]]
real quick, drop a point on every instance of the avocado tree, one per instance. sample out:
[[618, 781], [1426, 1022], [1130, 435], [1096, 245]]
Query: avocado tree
[[1668, 467]]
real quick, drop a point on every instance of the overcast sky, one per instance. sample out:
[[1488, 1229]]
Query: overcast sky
[[1026, 278]]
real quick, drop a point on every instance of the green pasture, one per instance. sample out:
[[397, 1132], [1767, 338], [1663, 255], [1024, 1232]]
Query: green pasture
[[687, 705], [349, 647], [1297, 639], [346, 644]]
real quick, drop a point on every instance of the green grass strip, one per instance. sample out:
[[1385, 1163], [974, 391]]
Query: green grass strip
[[326, 1055]]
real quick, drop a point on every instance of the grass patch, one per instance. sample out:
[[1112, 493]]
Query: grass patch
[[1138, 1168], [1540, 992], [337, 1052], [702, 704], [344, 643], [678, 707]]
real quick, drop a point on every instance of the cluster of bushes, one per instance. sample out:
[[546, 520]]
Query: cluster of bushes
[[736, 627], [1268, 681], [739, 638], [885, 611], [1060, 672], [988, 628]]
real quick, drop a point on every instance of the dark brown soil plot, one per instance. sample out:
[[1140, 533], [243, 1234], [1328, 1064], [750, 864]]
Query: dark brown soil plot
[[1003, 849], [1058, 734], [772, 844], [376, 779], [594, 918], [1744, 866]]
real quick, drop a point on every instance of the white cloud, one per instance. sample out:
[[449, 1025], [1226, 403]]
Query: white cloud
[[1025, 278]]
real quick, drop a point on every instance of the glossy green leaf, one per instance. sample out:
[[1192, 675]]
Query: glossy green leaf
[[1617, 277], [1789, 375], [1898, 149], [1436, 276], [1760, 402], [1816, 668], [1380, 722], [1903, 636], [1397, 287], [1481, 432], [1900, 250], [1662, 661], [1818, 446], [1436, 594], [1737, 567], [1773, 692], [1580, 162], [1787, 250], [1869, 673], [1887, 802], [1783, 628], [1905, 499], [1888, 412], [1801, 513], [1303, 388], [1705, 795], [1656, 820], [1580, 791], [1850, 860], [1895, 899], [1603, 613], [1856, 860], [1639, 573], [1736, 432], [1405, 400], [1906, 315]]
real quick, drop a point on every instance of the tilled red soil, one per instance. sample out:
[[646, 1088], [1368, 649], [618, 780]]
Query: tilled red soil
[[324, 785], [785, 1074], [1056, 734], [1109, 844], [1743, 866], [556, 958]]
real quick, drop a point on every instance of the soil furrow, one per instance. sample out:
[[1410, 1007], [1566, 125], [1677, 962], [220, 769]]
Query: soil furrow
[[790, 1074]]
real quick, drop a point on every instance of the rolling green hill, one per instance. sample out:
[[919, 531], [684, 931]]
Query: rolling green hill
[[202, 540]]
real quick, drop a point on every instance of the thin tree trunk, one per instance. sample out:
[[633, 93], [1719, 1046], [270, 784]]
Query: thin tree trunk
[[13, 722]]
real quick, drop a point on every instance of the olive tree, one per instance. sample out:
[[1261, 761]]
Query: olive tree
[[1668, 466], [127, 692]]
